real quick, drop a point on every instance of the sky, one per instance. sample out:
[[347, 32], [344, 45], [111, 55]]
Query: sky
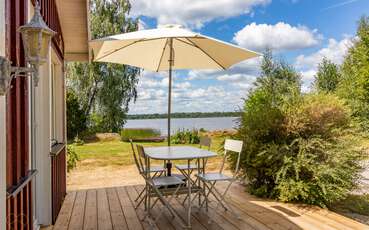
[[301, 32]]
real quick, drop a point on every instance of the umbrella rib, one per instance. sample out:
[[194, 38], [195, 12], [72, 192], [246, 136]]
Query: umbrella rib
[[195, 45], [125, 46], [162, 54]]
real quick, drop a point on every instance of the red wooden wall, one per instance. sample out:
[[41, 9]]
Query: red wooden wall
[[19, 177], [58, 181], [19, 206]]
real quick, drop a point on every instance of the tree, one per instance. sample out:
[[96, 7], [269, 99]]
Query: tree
[[297, 147], [76, 122], [327, 77], [106, 89], [354, 86], [278, 78]]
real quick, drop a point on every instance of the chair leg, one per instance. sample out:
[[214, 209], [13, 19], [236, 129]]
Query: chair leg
[[223, 202], [166, 203], [207, 194], [143, 190], [140, 194], [140, 202]]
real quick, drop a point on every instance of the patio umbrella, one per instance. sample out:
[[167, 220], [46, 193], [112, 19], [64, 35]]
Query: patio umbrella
[[168, 48]]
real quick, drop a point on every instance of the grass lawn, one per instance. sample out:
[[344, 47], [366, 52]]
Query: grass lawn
[[118, 153]]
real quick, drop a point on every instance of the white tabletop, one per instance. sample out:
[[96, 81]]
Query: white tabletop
[[177, 153]]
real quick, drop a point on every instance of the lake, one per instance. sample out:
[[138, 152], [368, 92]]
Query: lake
[[210, 123]]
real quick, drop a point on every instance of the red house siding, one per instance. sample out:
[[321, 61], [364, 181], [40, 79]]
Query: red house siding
[[19, 184], [19, 206]]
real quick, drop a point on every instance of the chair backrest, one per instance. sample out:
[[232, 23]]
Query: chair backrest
[[234, 146], [205, 141], [136, 158], [142, 156]]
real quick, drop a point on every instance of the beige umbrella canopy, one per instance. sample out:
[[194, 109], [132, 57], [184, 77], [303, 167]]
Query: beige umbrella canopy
[[168, 48]]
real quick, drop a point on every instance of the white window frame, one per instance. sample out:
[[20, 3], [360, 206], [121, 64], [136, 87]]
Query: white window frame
[[53, 101], [2, 128]]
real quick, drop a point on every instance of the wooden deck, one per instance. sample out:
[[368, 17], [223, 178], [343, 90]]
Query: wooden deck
[[113, 208]]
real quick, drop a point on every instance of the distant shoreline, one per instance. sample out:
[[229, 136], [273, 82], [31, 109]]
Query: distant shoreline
[[183, 115]]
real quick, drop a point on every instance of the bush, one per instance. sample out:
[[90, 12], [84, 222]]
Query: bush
[[298, 150], [141, 135], [72, 158], [186, 137], [77, 141]]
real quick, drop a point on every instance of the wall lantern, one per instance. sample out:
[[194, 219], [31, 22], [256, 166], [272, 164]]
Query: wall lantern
[[36, 36]]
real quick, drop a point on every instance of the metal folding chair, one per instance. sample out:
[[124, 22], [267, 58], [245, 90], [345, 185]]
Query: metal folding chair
[[159, 187], [187, 171], [210, 179], [204, 142], [156, 170]]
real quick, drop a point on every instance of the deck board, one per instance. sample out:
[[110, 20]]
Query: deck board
[[114, 208], [90, 220]]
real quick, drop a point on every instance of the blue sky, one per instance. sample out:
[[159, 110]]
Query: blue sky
[[301, 32]]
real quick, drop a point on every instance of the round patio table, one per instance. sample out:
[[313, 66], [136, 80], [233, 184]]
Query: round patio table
[[171, 153]]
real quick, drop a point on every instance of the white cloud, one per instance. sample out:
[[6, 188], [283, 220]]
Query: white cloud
[[280, 36], [193, 13], [234, 78], [308, 75], [334, 51]]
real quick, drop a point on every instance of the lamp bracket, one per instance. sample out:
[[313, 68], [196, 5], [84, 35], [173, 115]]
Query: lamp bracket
[[8, 73]]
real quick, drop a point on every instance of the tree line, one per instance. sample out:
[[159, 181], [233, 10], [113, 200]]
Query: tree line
[[183, 115]]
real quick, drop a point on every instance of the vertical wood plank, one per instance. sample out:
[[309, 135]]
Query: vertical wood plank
[[129, 211], [90, 220], [76, 221], [132, 194], [65, 214], [103, 211], [117, 216]]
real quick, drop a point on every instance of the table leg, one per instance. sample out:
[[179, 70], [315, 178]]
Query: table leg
[[169, 168], [189, 195], [198, 181], [149, 195], [204, 188]]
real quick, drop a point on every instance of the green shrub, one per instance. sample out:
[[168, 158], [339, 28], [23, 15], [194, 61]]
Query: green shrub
[[298, 150], [77, 141], [185, 136], [140, 134], [72, 157]]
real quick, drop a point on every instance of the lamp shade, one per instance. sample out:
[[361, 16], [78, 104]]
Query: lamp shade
[[36, 37]]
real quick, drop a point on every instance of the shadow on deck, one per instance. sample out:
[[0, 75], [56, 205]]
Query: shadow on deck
[[113, 208]]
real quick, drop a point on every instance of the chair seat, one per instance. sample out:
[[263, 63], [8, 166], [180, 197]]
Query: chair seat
[[185, 167], [167, 181], [154, 169], [214, 177], [180, 176]]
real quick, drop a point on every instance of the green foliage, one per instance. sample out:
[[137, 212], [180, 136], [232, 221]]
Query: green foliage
[[76, 119], [77, 141], [103, 88], [140, 134], [296, 147], [72, 158], [354, 87], [327, 77], [186, 137], [353, 203]]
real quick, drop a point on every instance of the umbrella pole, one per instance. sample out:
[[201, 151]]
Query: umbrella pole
[[170, 85], [169, 164]]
